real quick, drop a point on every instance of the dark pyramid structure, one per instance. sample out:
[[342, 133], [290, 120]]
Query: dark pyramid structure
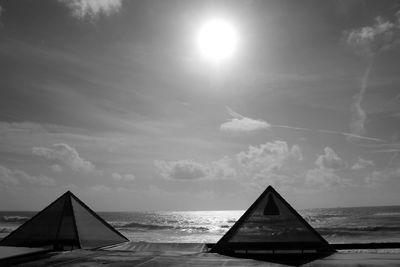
[[271, 208], [65, 223], [271, 227]]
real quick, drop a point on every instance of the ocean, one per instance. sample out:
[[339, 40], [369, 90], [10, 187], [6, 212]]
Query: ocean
[[337, 225]]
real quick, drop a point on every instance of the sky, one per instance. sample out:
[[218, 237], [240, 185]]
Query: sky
[[112, 100]]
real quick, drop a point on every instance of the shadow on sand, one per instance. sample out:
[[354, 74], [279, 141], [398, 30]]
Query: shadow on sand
[[286, 259]]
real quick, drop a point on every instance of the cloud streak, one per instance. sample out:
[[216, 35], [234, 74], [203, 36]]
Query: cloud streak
[[243, 124], [368, 42], [92, 9], [240, 123], [358, 115]]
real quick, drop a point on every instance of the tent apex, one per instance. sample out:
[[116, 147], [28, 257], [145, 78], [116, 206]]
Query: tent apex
[[69, 193], [270, 187]]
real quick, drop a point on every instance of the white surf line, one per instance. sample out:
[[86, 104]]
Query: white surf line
[[330, 132]]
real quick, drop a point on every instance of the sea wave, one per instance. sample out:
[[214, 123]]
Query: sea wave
[[357, 230], [323, 216], [14, 218], [5, 230], [387, 214], [144, 226]]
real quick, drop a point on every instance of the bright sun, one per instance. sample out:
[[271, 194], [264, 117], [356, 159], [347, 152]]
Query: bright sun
[[217, 40]]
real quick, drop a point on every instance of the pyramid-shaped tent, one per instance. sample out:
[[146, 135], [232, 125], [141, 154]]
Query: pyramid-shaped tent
[[271, 226], [65, 223]]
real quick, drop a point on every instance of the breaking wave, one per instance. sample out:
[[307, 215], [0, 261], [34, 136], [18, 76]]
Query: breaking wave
[[14, 218], [387, 214], [5, 230], [146, 226], [143, 226], [359, 230]]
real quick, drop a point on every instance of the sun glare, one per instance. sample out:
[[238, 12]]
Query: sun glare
[[217, 40]]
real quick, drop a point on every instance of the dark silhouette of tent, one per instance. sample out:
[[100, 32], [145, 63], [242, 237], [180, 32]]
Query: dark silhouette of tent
[[271, 208], [269, 228], [65, 223]]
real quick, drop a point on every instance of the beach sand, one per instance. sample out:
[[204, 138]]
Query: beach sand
[[192, 254]]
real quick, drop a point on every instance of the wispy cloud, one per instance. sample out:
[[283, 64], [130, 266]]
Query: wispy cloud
[[385, 148], [325, 176], [388, 150], [381, 178], [271, 155], [362, 164], [368, 42], [122, 177], [20, 137], [9, 177], [358, 115], [258, 165], [102, 189], [66, 155], [330, 160], [393, 148], [91, 9], [270, 163], [240, 123], [57, 168], [182, 170]]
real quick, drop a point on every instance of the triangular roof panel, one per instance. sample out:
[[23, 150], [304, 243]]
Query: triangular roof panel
[[66, 222], [93, 231], [271, 224], [41, 230]]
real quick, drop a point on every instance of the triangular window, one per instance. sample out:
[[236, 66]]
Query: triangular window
[[271, 208]]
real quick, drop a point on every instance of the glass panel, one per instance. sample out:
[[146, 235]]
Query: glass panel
[[92, 232], [272, 221], [67, 230], [41, 230]]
